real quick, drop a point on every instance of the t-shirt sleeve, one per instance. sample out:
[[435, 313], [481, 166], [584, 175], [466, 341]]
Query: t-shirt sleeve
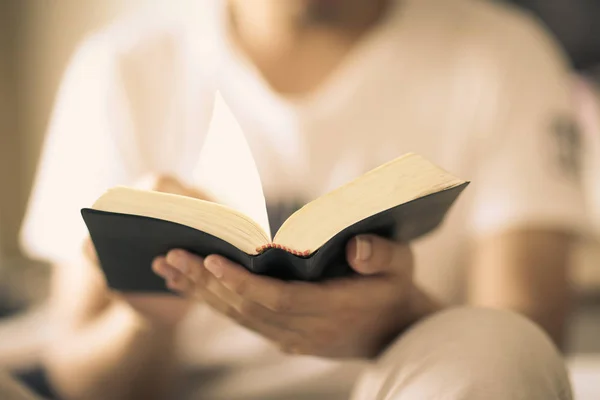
[[528, 161], [84, 154]]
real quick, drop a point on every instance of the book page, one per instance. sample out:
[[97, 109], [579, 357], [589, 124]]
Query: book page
[[226, 169], [396, 182]]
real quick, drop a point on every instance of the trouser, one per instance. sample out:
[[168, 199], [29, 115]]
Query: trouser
[[458, 354], [10, 389], [468, 354]]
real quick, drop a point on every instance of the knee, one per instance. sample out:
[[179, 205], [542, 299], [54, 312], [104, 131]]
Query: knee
[[486, 333], [472, 353]]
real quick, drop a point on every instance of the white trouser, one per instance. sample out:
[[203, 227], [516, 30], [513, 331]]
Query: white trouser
[[468, 353], [458, 354]]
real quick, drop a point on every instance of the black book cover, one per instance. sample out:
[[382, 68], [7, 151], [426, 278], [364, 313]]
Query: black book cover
[[127, 244]]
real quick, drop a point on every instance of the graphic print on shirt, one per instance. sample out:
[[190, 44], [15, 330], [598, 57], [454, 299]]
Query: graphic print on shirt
[[566, 146]]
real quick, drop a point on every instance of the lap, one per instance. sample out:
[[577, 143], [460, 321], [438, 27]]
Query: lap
[[468, 353]]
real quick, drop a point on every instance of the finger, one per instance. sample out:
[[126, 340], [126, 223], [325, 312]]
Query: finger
[[188, 264], [269, 331], [371, 255], [182, 285], [275, 295], [192, 268], [174, 279], [161, 268], [253, 311]]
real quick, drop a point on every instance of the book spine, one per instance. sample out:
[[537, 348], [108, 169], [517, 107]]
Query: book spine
[[265, 247]]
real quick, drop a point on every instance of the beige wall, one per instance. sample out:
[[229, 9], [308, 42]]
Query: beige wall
[[9, 138], [37, 38]]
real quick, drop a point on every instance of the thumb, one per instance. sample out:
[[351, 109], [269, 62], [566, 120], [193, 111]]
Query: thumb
[[371, 255]]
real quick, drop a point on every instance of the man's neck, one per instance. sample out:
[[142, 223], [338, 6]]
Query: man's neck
[[296, 48]]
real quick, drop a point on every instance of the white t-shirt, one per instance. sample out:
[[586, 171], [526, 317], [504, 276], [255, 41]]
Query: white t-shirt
[[476, 88]]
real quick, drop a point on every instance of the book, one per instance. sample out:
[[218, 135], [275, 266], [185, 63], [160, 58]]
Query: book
[[402, 199]]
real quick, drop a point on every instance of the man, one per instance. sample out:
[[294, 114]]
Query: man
[[575, 24], [324, 90]]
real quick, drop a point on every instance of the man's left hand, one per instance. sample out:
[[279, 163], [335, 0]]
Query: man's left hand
[[354, 317]]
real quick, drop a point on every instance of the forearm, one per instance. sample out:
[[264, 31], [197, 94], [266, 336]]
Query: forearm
[[551, 314], [419, 306], [552, 320], [526, 272], [424, 305], [116, 356]]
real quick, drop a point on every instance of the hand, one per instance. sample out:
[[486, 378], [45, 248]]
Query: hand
[[349, 317], [163, 310]]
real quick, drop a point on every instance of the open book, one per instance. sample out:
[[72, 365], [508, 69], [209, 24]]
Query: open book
[[404, 198]]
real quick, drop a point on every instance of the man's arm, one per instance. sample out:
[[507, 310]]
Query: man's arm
[[102, 348], [527, 195], [109, 346], [525, 271]]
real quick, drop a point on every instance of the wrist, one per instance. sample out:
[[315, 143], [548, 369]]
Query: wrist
[[157, 312], [145, 325], [155, 327], [422, 305], [419, 305]]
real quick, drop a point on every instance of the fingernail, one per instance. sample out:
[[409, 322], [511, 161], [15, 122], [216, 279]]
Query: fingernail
[[161, 269], [179, 261], [214, 266], [168, 273], [364, 248]]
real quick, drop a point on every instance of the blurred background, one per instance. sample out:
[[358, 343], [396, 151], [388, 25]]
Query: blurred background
[[37, 38]]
